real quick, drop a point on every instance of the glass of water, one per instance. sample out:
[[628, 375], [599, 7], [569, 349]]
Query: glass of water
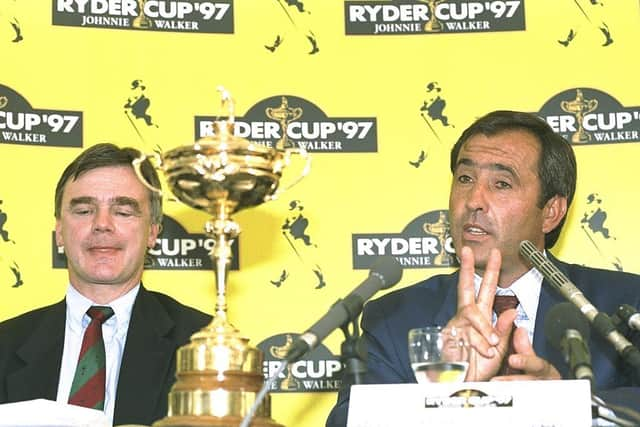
[[439, 354]]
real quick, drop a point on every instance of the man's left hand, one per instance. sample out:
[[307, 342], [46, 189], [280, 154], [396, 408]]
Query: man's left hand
[[526, 360]]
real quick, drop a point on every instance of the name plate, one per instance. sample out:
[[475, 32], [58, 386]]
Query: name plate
[[49, 413], [509, 403]]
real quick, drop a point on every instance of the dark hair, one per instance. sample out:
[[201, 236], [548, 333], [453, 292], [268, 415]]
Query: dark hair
[[557, 167], [105, 154]]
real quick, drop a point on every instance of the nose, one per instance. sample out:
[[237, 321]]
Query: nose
[[102, 220], [477, 197]]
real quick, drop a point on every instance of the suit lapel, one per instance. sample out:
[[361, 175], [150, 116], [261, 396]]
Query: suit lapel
[[42, 356], [449, 306], [146, 362]]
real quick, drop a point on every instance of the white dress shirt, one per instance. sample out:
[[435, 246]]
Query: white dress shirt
[[114, 333]]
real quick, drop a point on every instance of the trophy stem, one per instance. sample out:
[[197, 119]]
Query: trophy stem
[[218, 373], [221, 283], [224, 231]]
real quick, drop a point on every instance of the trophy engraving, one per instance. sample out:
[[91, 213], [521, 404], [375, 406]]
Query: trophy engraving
[[432, 25], [142, 20], [218, 373], [441, 230], [579, 107], [284, 115]]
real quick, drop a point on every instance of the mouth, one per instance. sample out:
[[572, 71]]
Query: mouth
[[474, 232], [103, 250]]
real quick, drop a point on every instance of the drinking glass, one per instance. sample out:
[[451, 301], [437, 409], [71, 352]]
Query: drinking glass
[[439, 354]]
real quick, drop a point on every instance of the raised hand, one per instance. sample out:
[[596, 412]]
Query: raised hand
[[474, 314]]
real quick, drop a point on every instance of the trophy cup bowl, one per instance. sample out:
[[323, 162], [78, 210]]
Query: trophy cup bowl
[[236, 173], [218, 373]]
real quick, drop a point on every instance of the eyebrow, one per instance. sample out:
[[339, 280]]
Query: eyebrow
[[117, 201], [492, 166], [84, 200]]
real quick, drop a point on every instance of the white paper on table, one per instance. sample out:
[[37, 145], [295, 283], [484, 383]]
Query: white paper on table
[[48, 413]]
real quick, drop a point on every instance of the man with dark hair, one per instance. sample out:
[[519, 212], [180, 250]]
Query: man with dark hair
[[110, 344], [513, 180]]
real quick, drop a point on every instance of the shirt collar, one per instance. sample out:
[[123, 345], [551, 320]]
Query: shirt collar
[[526, 288], [78, 304]]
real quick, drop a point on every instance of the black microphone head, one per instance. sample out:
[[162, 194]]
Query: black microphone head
[[387, 269], [561, 317], [625, 311]]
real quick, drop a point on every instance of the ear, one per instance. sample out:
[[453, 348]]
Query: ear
[[59, 239], [552, 213], [153, 235]]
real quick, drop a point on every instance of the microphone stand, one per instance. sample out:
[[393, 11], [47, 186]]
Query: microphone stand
[[353, 354], [605, 411], [622, 327], [633, 336], [611, 412]]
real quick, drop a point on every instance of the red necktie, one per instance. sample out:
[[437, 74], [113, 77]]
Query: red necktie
[[89, 381], [500, 304]]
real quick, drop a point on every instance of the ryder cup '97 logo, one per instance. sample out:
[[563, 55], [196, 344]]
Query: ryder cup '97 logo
[[286, 121], [20, 123], [424, 242], [156, 15], [469, 398], [433, 16], [590, 116], [318, 371]]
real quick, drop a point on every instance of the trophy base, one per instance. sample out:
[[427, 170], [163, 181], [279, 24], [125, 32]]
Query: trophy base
[[218, 377], [142, 23], [210, 421], [433, 27], [442, 260], [580, 138]]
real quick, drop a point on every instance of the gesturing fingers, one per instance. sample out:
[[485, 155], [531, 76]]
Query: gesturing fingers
[[466, 288], [504, 329], [477, 312], [534, 367], [489, 284], [526, 360]]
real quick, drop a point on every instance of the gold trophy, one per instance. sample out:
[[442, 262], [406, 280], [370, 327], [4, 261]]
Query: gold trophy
[[432, 25], [284, 114], [441, 230], [218, 374], [579, 107], [142, 20], [280, 352]]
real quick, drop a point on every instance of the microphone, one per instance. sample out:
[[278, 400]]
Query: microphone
[[568, 331], [385, 272], [630, 316], [601, 321]]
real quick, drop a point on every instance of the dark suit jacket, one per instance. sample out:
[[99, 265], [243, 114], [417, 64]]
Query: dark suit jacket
[[386, 321], [31, 353]]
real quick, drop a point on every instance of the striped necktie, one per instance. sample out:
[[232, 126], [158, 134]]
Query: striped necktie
[[89, 381], [502, 303]]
